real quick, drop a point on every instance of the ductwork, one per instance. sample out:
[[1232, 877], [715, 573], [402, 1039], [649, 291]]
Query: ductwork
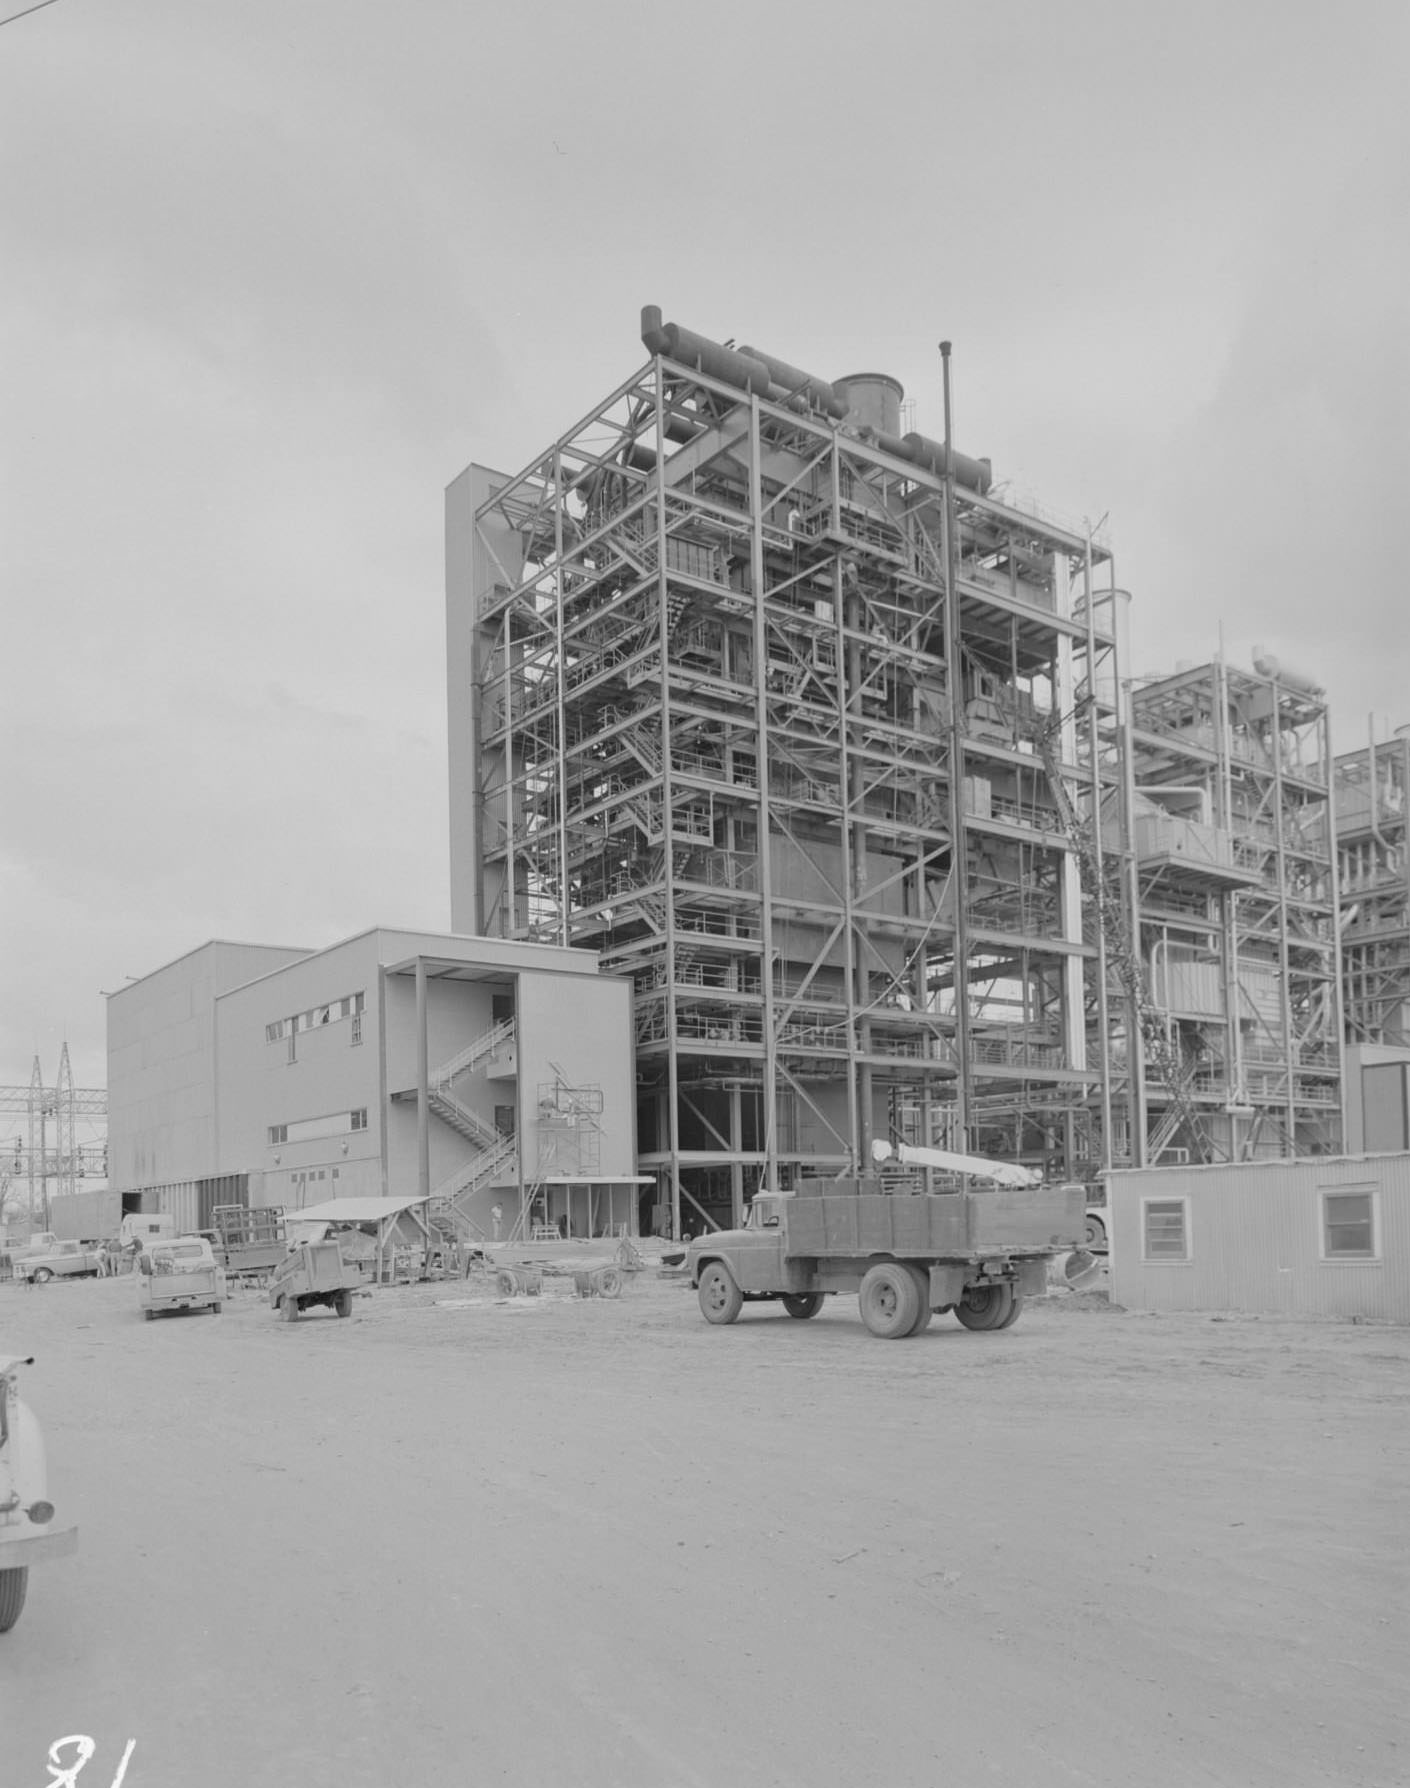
[[750, 369]]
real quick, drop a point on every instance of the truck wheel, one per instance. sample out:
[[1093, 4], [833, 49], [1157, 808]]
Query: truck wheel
[[1095, 1232], [506, 1283], [889, 1300], [609, 1282], [149, 1314], [12, 1587], [802, 1304], [215, 1308], [290, 1307], [986, 1306], [721, 1300], [40, 1276], [343, 1302], [1015, 1311], [922, 1279]]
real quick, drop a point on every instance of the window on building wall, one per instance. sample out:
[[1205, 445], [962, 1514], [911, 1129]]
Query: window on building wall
[[1165, 1229], [351, 1006], [1349, 1225], [315, 1129]]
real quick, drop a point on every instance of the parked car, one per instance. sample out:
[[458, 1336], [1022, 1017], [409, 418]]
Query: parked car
[[60, 1260], [180, 1274], [27, 1532]]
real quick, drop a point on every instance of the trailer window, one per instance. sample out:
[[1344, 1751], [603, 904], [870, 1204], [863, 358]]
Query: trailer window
[[1348, 1226], [1165, 1229]]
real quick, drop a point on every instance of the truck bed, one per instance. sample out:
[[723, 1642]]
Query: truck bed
[[945, 1226]]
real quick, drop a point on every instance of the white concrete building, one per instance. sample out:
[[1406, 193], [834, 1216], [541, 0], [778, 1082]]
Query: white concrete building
[[477, 1071]]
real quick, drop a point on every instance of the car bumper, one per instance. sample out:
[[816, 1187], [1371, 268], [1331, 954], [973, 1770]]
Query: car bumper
[[35, 1546]]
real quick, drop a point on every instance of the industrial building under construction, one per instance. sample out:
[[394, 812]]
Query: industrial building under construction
[[832, 746]]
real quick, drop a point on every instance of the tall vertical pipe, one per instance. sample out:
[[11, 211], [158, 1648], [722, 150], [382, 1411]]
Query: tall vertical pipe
[[959, 871], [423, 1086]]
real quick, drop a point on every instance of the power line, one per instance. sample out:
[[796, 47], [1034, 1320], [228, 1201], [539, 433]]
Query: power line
[[27, 11]]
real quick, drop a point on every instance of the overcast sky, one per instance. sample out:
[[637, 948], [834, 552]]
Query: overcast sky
[[274, 273]]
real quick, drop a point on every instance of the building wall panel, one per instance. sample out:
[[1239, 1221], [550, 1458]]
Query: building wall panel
[[1256, 1239]]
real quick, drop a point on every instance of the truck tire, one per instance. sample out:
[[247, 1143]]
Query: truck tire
[[721, 1300], [802, 1304], [987, 1306], [889, 1300], [12, 1587], [1015, 1311], [289, 1307], [343, 1302], [215, 1308], [1094, 1232], [608, 1282], [150, 1315], [506, 1283], [40, 1276], [922, 1279]]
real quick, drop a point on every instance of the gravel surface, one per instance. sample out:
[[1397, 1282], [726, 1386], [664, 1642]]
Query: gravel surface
[[466, 1540]]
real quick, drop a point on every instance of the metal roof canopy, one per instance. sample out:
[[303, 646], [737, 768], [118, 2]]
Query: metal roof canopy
[[353, 1210], [597, 1179], [381, 1211], [453, 968]]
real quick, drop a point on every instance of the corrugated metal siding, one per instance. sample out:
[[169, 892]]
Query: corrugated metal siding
[[1255, 1240]]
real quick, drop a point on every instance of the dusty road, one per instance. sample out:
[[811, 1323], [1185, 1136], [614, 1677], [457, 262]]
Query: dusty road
[[587, 1542]]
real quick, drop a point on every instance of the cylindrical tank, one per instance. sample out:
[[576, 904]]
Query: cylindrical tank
[[873, 401], [1268, 666], [793, 380], [973, 474], [725, 364]]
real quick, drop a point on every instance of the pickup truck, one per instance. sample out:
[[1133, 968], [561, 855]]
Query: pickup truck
[[906, 1256], [59, 1260]]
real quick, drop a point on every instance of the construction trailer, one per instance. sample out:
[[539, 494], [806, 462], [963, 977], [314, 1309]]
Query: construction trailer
[[821, 736], [1372, 786]]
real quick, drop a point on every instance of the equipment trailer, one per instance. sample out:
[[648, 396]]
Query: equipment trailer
[[906, 1256]]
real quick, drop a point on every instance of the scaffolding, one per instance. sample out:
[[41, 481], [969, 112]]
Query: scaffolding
[[810, 729], [1372, 786], [1235, 874]]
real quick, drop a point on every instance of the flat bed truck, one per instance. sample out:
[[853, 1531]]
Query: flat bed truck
[[906, 1255]]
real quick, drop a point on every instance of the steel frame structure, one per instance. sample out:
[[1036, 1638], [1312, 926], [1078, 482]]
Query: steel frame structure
[[1372, 788], [1238, 910], [752, 705]]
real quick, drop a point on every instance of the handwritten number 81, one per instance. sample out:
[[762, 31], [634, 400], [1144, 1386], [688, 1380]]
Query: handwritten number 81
[[65, 1775]]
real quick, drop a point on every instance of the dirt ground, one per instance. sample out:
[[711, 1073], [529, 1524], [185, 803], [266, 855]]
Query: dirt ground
[[556, 1541]]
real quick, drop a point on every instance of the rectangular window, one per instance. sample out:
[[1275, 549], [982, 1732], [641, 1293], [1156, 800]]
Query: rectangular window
[[1165, 1229], [1349, 1225], [356, 1028], [316, 1129], [273, 1033]]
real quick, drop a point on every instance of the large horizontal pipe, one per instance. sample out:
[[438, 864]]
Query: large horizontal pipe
[[709, 357], [973, 474], [794, 380]]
